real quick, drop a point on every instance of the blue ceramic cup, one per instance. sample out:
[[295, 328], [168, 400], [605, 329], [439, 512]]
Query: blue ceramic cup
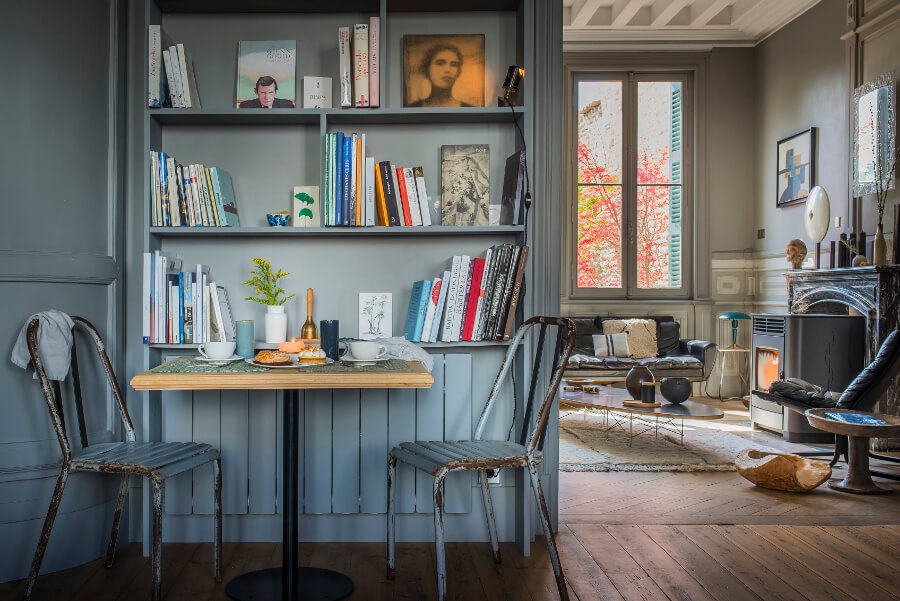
[[245, 337], [329, 332]]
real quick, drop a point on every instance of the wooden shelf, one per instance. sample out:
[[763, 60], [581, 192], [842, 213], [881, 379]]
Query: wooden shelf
[[293, 232], [299, 116]]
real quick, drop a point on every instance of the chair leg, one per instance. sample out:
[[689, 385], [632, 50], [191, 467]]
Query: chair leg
[[217, 526], [117, 517], [392, 475], [159, 498], [439, 535], [489, 512], [45, 532], [545, 522]]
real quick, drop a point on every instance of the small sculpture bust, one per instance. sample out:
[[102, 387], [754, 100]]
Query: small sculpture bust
[[796, 252]]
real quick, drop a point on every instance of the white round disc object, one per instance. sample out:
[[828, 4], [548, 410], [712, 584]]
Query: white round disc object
[[818, 214]]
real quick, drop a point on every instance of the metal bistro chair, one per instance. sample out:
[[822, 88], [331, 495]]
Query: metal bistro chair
[[154, 460], [440, 458]]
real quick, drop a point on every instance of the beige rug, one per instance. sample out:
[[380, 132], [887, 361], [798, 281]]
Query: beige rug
[[584, 446]]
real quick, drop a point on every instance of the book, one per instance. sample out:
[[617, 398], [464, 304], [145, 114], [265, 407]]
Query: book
[[389, 193], [402, 191], [339, 179], [155, 98], [316, 92], [370, 191], [415, 314], [352, 180], [213, 315], [361, 65], [170, 79], [422, 195], [465, 185], [374, 61], [345, 75], [516, 293], [430, 308], [380, 201], [223, 308], [306, 206], [450, 300], [187, 304], [482, 295], [465, 299], [225, 190], [507, 281], [188, 83], [145, 296], [360, 179], [398, 201], [154, 178], [439, 308], [212, 198], [496, 290], [409, 181], [346, 177], [513, 190], [200, 206], [475, 293], [266, 74], [855, 418], [176, 76]]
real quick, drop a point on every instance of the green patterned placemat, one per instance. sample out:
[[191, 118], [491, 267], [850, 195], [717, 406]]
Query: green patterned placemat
[[194, 366], [341, 367]]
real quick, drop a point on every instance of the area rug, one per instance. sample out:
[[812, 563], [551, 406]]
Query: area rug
[[584, 446]]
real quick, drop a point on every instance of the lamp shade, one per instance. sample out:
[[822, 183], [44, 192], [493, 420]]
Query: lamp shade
[[733, 315]]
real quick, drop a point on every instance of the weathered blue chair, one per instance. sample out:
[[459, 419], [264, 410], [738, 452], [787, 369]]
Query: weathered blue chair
[[440, 458], [153, 460]]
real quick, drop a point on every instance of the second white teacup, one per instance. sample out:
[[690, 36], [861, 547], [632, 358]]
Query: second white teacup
[[366, 350], [217, 350]]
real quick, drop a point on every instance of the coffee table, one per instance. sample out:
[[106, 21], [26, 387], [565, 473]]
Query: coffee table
[[858, 479], [609, 401]]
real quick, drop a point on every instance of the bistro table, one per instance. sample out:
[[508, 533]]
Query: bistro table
[[299, 583]]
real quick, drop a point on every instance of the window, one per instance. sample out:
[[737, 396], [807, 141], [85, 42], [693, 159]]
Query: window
[[632, 186]]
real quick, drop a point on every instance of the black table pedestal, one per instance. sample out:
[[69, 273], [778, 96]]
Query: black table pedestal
[[298, 584]]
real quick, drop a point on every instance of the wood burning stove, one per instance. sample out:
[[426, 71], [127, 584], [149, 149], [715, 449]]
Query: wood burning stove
[[826, 350]]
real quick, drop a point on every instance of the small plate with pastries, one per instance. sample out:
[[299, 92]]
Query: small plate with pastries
[[280, 359]]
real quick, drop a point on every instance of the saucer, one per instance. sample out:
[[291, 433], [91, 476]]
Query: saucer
[[230, 359], [352, 359], [293, 365]]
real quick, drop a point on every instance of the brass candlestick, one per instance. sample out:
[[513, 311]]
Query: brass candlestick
[[309, 330]]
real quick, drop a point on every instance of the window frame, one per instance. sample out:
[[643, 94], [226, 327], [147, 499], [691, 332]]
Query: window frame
[[586, 69]]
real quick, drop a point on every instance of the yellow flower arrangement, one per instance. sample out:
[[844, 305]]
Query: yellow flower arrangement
[[266, 283]]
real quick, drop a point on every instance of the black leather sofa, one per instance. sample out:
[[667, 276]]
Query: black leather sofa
[[692, 359]]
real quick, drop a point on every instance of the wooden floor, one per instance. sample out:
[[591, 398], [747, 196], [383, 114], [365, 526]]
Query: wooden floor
[[625, 535]]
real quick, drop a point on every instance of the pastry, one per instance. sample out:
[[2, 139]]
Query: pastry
[[311, 354], [272, 358]]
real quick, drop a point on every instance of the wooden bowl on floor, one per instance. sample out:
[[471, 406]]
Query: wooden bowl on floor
[[781, 471]]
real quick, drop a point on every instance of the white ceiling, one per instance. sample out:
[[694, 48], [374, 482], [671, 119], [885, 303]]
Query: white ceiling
[[710, 22]]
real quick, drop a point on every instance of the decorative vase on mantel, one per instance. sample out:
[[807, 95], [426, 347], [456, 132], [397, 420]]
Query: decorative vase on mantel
[[879, 249], [276, 323]]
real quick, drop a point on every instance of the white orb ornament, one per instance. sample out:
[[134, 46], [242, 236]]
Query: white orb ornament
[[818, 214]]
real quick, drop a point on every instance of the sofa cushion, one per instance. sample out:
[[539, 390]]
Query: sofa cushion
[[611, 345], [668, 338], [582, 361], [673, 362], [641, 335]]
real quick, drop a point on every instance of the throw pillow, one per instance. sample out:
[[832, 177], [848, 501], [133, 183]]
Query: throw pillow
[[612, 345], [641, 335]]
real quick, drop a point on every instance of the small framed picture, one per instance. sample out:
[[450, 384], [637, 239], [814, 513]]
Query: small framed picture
[[443, 70], [796, 172], [375, 315]]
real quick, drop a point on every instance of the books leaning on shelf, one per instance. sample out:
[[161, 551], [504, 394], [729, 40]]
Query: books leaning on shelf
[[362, 192], [473, 299], [359, 49], [171, 79], [182, 307], [190, 195]]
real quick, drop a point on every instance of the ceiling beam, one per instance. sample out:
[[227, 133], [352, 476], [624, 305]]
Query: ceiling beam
[[623, 11], [661, 17], [584, 13], [707, 10]]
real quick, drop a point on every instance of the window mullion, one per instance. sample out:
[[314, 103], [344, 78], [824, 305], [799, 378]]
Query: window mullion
[[629, 192]]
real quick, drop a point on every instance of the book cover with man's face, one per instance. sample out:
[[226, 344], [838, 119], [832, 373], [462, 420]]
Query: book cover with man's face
[[266, 74]]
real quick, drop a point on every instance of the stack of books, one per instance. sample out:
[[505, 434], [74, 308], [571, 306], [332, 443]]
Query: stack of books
[[361, 192], [171, 74], [473, 299], [359, 51], [190, 195], [183, 306]]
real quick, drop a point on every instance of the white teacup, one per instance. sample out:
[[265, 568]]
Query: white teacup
[[217, 350], [366, 350]]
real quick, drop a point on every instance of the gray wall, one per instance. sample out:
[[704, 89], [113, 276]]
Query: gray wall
[[59, 248]]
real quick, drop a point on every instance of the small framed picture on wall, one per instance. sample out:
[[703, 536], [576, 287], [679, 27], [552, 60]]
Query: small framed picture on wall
[[443, 70], [796, 170]]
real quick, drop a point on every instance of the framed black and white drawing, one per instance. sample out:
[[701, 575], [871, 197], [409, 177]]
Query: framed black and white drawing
[[796, 170]]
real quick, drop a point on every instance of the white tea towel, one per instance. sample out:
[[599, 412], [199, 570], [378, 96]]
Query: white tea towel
[[54, 340], [401, 348]]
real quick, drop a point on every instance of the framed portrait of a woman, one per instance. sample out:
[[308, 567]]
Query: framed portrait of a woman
[[443, 70]]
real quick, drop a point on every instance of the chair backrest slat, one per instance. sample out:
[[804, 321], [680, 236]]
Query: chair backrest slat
[[535, 371], [79, 402]]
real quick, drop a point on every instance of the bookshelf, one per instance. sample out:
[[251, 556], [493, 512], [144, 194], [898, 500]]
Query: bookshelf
[[267, 153]]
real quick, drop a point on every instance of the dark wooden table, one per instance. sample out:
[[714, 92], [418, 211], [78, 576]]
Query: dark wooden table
[[858, 479]]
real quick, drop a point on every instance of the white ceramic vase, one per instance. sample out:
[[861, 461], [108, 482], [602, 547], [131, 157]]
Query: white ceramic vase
[[276, 324], [879, 249]]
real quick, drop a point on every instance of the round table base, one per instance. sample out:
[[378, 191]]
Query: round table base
[[311, 584], [859, 488]]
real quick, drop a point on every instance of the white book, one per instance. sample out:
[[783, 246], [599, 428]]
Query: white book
[[183, 71], [199, 209], [479, 307], [370, 191], [157, 292], [316, 92], [459, 308], [191, 79], [154, 68], [344, 66], [422, 195], [176, 75], [170, 79], [450, 302], [172, 185], [374, 60], [145, 299], [361, 65], [439, 310], [411, 196], [430, 308]]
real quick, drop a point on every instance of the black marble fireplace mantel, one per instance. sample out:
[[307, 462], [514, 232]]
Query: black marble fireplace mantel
[[873, 291]]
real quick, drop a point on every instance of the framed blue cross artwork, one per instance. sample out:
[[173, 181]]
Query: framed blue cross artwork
[[796, 173]]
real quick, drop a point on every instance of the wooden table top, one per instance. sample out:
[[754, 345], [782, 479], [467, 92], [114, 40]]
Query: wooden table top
[[284, 379], [818, 419], [611, 399]]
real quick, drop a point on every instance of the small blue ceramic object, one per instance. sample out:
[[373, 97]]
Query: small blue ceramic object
[[278, 219], [675, 390]]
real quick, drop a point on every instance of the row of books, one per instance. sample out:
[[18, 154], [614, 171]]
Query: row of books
[[473, 299], [361, 192], [182, 306], [190, 195], [359, 52], [171, 74]]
